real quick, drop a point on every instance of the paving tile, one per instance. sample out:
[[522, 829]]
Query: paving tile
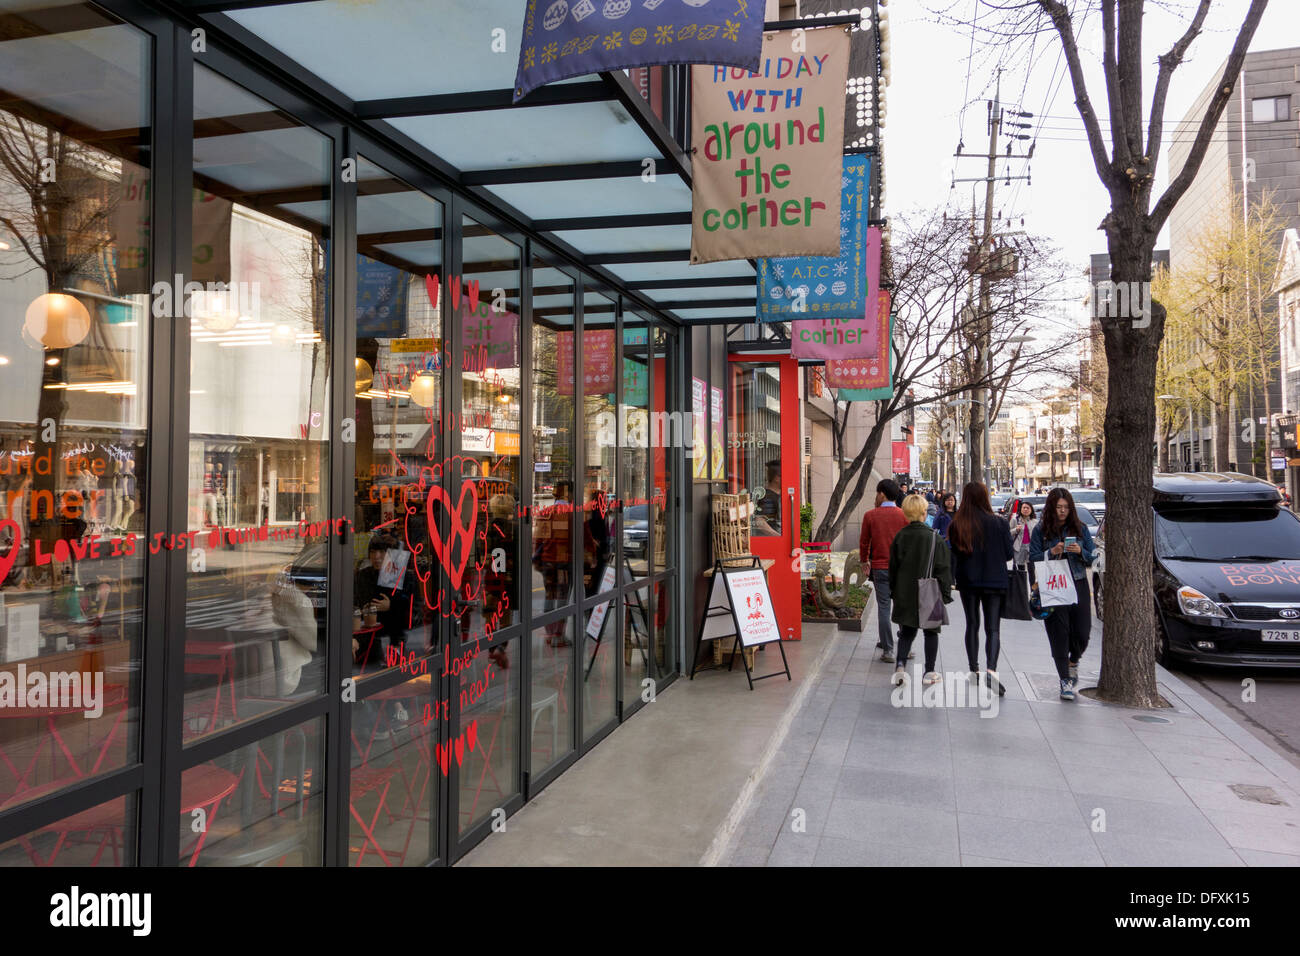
[[1028, 771], [816, 809], [1161, 743], [1001, 798], [794, 849], [888, 823], [1031, 841], [1110, 734], [749, 856], [989, 740], [1219, 768], [1216, 795], [967, 860], [1146, 818], [1129, 849], [1260, 858], [1154, 787], [1074, 753], [839, 852], [897, 787], [927, 754], [1253, 832]]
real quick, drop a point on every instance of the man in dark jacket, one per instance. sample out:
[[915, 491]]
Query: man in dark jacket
[[916, 552], [879, 526]]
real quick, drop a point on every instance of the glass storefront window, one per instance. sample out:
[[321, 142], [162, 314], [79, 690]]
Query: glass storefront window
[[400, 357], [258, 806], [485, 303], [75, 176], [665, 652], [755, 457], [550, 721], [636, 644], [555, 514], [635, 438], [665, 438], [599, 673], [393, 803], [258, 523], [600, 417], [103, 835], [489, 729]]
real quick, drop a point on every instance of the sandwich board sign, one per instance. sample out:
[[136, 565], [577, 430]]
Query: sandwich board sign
[[740, 605]]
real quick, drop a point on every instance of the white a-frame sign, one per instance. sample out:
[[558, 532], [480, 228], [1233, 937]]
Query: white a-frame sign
[[740, 605]]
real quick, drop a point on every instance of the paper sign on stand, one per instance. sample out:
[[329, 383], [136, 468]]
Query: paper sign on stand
[[740, 605]]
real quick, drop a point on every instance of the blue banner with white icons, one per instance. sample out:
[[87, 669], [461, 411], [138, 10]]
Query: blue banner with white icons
[[563, 38], [824, 287]]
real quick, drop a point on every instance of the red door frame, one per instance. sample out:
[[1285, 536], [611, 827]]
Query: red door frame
[[783, 577]]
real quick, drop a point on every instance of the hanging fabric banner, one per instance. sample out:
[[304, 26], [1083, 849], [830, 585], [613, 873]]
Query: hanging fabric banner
[[563, 38], [827, 287], [768, 150], [856, 338], [860, 380]]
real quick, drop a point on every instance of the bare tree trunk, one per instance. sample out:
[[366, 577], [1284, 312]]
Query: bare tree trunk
[[1222, 433]]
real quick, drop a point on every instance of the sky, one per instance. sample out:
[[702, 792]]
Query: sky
[[930, 82]]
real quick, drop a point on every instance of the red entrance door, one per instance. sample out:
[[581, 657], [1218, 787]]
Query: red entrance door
[[764, 459]]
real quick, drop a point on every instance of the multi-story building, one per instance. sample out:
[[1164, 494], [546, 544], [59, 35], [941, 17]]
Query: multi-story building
[[1287, 286], [1255, 150]]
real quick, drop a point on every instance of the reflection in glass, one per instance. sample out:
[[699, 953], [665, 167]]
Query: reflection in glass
[[664, 439], [103, 835], [75, 177], [394, 796], [635, 438], [755, 425], [599, 652], [600, 415], [489, 727], [550, 722], [555, 513], [260, 805], [485, 303], [665, 652], [636, 641], [398, 408], [259, 413]]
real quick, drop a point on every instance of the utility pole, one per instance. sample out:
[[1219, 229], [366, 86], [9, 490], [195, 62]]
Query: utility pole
[[986, 319]]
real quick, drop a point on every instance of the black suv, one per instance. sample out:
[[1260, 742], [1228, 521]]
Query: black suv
[[1227, 571]]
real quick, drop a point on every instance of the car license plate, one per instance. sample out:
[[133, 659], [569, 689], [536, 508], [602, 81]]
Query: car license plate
[[1281, 637]]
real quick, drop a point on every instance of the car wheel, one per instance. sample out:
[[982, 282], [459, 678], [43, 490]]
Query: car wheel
[[1096, 597], [1163, 657]]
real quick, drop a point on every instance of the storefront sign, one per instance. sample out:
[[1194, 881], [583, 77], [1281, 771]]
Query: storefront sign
[[900, 457], [636, 382], [866, 373], [381, 299], [563, 38], [769, 149], [597, 362], [827, 287], [402, 437], [699, 442], [715, 436], [597, 619], [506, 443]]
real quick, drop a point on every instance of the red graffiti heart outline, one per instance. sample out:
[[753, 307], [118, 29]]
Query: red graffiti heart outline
[[456, 530], [602, 504], [7, 562]]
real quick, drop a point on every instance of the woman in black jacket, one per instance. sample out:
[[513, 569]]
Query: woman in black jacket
[[981, 546]]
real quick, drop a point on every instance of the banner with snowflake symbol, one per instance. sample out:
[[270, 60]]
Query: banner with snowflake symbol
[[824, 287], [563, 38]]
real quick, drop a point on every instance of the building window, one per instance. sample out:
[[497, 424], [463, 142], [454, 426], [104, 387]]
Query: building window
[[1270, 109]]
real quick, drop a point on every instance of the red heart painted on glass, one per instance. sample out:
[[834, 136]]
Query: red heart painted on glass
[[444, 757], [471, 291], [460, 749], [431, 284], [602, 504], [454, 285], [471, 734], [456, 531], [7, 562]]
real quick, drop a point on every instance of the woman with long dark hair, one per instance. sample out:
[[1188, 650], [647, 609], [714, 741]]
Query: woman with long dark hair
[[1061, 533], [981, 547]]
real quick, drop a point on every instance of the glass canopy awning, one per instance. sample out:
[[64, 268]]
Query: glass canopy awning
[[570, 162]]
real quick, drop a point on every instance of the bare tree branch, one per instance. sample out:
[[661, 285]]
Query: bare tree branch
[[1060, 16]]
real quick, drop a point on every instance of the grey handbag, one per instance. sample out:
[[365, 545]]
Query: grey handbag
[[931, 612]]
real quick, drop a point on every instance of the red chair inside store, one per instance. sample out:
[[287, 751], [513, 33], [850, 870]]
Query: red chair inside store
[[202, 788], [209, 651], [484, 751]]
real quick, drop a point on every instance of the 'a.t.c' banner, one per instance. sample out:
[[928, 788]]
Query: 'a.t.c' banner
[[827, 287], [563, 38], [856, 338], [768, 150]]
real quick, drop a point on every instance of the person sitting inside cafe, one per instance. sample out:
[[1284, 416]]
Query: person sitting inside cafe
[[392, 605]]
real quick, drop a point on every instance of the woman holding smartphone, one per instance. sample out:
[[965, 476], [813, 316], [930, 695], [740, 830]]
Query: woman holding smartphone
[[1060, 533]]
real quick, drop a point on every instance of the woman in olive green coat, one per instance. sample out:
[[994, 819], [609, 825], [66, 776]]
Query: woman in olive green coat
[[909, 562]]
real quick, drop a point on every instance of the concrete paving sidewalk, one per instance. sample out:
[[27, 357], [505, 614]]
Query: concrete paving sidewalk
[[858, 781]]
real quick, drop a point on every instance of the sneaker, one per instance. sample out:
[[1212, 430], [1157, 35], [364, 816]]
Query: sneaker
[[887, 657], [899, 677], [1074, 674], [932, 678], [1067, 690]]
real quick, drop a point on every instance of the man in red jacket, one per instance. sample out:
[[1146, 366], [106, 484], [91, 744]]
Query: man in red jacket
[[879, 525]]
